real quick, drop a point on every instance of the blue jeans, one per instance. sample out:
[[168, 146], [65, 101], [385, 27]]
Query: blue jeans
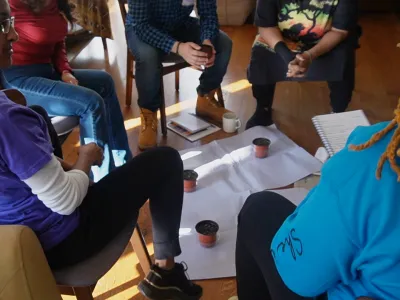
[[148, 64], [94, 101]]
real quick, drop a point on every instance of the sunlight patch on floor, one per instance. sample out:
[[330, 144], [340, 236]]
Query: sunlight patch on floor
[[183, 105], [170, 110], [237, 86]]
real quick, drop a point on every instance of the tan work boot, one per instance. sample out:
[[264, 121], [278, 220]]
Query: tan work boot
[[208, 107], [148, 130]]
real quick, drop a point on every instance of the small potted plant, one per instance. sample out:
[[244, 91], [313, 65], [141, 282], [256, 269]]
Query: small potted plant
[[189, 181], [207, 233], [261, 147]]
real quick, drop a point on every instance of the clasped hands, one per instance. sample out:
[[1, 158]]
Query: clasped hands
[[298, 67], [192, 54]]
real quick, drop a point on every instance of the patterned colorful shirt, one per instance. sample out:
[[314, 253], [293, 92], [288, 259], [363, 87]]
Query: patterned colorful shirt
[[304, 22], [153, 21]]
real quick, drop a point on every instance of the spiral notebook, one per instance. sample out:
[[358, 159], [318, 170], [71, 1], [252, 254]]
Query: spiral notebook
[[335, 129]]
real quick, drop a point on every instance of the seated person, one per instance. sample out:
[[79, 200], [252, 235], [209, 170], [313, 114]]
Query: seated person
[[155, 28], [341, 243], [307, 40], [42, 73], [73, 219]]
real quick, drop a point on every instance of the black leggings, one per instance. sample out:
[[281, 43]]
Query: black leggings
[[340, 94], [114, 202], [340, 91], [259, 220]]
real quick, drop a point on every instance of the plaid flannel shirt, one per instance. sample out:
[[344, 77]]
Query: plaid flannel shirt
[[153, 21]]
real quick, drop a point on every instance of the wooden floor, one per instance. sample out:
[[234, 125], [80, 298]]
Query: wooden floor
[[377, 91]]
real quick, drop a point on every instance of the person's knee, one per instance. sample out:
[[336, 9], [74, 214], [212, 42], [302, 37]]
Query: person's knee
[[146, 55], [252, 203], [105, 79], [256, 206], [94, 102], [172, 157], [106, 82]]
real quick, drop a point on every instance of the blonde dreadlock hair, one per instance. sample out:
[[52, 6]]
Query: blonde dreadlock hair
[[392, 149]]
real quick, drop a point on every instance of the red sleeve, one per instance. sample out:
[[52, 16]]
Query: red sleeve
[[60, 59]]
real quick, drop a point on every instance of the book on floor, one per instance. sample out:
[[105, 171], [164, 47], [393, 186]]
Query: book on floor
[[335, 129], [191, 127]]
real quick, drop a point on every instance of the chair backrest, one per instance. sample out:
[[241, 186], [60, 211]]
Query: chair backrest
[[124, 10], [15, 96]]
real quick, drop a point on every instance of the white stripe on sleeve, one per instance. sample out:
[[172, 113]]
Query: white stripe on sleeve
[[60, 191]]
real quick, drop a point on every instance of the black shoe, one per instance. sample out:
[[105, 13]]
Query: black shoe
[[172, 284], [262, 117]]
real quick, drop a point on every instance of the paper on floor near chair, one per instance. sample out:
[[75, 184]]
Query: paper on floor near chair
[[218, 173], [223, 209], [219, 261], [286, 163], [209, 263], [279, 170], [295, 195]]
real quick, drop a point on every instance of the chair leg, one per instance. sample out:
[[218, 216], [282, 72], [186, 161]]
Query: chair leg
[[129, 78], [162, 110], [139, 246], [104, 40], [83, 293], [220, 97], [177, 80]]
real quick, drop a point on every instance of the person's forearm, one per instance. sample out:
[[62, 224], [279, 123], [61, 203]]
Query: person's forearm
[[66, 166], [271, 35], [83, 163], [329, 41], [274, 39], [60, 59]]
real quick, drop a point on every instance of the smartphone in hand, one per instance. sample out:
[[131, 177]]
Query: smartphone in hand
[[207, 49]]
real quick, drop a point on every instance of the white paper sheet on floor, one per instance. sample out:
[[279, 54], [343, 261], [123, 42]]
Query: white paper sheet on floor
[[228, 174]]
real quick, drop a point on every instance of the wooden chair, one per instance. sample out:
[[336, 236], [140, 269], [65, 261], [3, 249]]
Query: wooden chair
[[175, 64], [15, 96]]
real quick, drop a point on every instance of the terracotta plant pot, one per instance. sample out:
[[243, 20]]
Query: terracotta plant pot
[[189, 181], [207, 233], [261, 147]]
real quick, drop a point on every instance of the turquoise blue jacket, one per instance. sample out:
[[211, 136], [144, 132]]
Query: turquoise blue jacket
[[344, 238]]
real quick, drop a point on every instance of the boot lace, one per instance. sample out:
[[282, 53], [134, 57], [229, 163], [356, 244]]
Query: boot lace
[[148, 120], [211, 99]]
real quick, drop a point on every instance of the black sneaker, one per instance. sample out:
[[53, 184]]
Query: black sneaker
[[261, 117], [172, 284]]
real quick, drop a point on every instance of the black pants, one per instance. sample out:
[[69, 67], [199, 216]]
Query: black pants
[[336, 67], [259, 220], [114, 202], [340, 93]]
